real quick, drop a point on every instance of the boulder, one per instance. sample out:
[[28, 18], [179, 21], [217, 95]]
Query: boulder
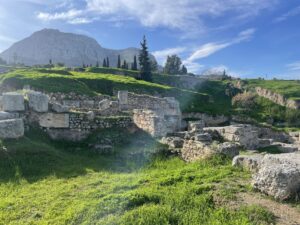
[[90, 115], [13, 101], [279, 176], [11, 128], [173, 142], [229, 149], [286, 148], [56, 107], [38, 101], [88, 104], [54, 120], [249, 162]]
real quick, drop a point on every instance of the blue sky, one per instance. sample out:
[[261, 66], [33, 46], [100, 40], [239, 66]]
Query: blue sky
[[248, 38]]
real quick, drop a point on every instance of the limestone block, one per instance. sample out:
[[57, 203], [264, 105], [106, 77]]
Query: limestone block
[[89, 104], [11, 128], [279, 175], [13, 101], [56, 107], [123, 97], [90, 115], [104, 104], [229, 149], [54, 120], [38, 101], [72, 103], [249, 162]]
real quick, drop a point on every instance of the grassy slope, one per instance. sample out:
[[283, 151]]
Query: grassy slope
[[288, 88], [44, 182]]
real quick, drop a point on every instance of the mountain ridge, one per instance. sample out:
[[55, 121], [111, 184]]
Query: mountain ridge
[[61, 47]]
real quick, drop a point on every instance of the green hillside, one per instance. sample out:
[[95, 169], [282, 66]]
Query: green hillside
[[288, 88], [46, 182]]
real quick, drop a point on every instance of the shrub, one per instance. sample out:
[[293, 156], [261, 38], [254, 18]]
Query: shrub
[[244, 100]]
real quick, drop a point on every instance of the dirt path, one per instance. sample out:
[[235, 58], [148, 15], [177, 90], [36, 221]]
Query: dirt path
[[285, 214]]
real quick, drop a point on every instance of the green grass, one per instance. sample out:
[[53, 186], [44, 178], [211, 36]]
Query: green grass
[[46, 182], [288, 88]]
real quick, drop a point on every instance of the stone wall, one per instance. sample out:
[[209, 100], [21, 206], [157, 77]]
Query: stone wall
[[278, 98], [209, 120]]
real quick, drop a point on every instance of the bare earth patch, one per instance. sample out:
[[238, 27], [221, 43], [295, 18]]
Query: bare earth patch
[[285, 213]]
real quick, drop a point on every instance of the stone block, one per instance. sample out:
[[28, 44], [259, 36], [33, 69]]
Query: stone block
[[56, 107], [72, 103], [123, 97], [88, 104], [248, 162], [13, 101], [279, 176], [54, 120], [8, 115], [38, 101], [12, 128], [104, 104]]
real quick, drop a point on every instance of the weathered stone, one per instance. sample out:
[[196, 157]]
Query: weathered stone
[[229, 149], [8, 115], [38, 101], [208, 120], [194, 126], [104, 104], [88, 104], [173, 142], [279, 175], [90, 115], [205, 137], [194, 150], [264, 142], [285, 148], [72, 103], [13, 101], [11, 128], [249, 162], [123, 97], [56, 107], [54, 120]]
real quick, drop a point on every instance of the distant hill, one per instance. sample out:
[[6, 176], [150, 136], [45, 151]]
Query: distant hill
[[70, 49]]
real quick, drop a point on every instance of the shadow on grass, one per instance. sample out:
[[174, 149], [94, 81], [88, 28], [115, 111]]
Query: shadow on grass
[[35, 156]]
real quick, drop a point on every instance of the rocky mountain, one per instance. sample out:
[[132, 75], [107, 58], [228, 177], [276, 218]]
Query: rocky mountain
[[70, 49]]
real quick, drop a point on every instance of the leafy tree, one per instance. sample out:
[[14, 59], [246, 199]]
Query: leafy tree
[[104, 63], [173, 65], [119, 61], [107, 62], [184, 70], [144, 61]]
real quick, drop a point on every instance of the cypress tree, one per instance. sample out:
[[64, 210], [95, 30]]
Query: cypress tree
[[119, 61], [107, 62], [97, 64], [104, 63], [144, 62], [134, 65]]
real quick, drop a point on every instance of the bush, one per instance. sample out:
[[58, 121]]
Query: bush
[[244, 100]]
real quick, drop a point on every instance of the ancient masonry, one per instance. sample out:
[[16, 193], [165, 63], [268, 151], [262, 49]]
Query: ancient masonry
[[74, 117]]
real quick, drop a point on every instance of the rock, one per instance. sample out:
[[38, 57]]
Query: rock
[[104, 104], [285, 148], [88, 104], [72, 103], [173, 142], [264, 142], [194, 126], [182, 134], [249, 162], [229, 149], [8, 115], [194, 150], [54, 120], [123, 97], [38, 101], [279, 176], [205, 137], [56, 107], [90, 115], [11, 128], [13, 101]]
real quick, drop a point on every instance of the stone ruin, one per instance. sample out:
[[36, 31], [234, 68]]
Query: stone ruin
[[73, 117]]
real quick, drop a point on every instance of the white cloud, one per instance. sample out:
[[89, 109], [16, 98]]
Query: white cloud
[[294, 66], [162, 54], [291, 13], [211, 48], [189, 16]]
